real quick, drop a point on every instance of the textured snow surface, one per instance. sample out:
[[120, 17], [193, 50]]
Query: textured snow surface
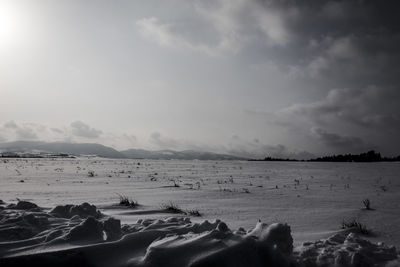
[[31, 236], [46, 218]]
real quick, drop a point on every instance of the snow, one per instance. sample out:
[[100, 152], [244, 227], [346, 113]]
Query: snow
[[61, 215], [67, 211], [346, 250]]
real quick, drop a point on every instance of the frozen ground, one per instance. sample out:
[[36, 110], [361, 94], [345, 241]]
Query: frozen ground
[[313, 198]]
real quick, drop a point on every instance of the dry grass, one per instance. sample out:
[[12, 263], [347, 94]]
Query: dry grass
[[126, 201], [172, 207]]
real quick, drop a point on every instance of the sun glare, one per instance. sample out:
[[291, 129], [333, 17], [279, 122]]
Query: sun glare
[[10, 23]]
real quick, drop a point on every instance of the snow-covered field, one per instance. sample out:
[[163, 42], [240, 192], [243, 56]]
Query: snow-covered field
[[312, 198]]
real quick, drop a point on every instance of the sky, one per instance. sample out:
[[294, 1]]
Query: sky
[[281, 78]]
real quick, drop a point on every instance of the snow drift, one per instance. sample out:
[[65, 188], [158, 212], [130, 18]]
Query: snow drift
[[80, 235]]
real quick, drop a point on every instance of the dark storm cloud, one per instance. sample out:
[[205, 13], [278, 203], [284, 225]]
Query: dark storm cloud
[[342, 43], [316, 16], [366, 107], [349, 51], [329, 44], [346, 119], [83, 130], [338, 141]]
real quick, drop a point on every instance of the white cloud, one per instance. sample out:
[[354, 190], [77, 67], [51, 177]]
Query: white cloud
[[166, 35], [223, 26], [83, 130], [57, 130], [154, 29], [26, 133]]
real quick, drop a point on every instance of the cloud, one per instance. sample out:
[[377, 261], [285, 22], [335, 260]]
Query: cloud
[[321, 44], [56, 130], [25, 131], [155, 136], [130, 137], [75, 132], [338, 141], [10, 125], [257, 149], [239, 22], [218, 26], [232, 24], [154, 29], [371, 106], [160, 142], [262, 150], [236, 145], [172, 35], [83, 130], [335, 43], [342, 120]]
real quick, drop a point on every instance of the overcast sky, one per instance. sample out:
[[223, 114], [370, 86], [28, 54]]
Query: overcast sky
[[278, 78]]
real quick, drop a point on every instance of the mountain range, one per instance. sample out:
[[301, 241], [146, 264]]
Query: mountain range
[[78, 149], [171, 154]]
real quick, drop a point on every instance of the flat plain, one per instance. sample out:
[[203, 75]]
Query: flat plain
[[314, 199]]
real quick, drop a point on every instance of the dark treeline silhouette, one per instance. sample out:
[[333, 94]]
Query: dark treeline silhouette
[[370, 156], [274, 159]]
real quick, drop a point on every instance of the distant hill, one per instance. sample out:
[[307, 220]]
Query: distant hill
[[171, 154], [78, 149], [58, 147]]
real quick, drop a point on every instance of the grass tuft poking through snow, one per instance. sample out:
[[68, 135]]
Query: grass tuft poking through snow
[[126, 201], [172, 207], [194, 213]]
